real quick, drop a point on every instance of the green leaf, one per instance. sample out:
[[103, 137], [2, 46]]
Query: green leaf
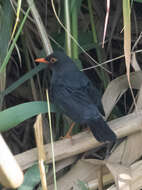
[[31, 178], [75, 3], [139, 1], [3, 66], [1, 188], [85, 40], [23, 79], [13, 116], [6, 24], [82, 185], [78, 63]]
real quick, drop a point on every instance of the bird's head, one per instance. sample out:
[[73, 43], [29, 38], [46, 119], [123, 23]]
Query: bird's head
[[51, 59], [57, 61]]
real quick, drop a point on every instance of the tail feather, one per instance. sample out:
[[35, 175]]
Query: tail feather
[[101, 130]]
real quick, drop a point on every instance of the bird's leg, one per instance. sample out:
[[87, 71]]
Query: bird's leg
[[68, 134]]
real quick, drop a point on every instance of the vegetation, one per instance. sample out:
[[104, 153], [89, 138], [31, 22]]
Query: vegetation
[[104, 39]]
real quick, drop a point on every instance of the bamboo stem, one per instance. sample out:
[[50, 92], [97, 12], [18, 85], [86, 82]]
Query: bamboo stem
[[82, 142]]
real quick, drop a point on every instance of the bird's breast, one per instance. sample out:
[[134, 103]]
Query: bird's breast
[[71, 79]]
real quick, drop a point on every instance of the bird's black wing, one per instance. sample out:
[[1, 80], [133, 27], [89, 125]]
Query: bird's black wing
[[76, 104], [78, 80], [95, 96]]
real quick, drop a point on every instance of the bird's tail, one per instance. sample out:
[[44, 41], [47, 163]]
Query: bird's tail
[[101, 130]]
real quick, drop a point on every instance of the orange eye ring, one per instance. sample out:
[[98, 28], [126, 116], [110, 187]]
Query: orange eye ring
[[53, 60]]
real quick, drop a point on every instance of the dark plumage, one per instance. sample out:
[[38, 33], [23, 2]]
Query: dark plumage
[[75, 95]]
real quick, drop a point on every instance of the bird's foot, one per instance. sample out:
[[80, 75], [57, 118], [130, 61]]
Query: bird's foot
[[86, 129], [68, 134]]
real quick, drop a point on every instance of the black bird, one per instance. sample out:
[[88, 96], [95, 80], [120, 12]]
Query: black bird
[[75, 95]]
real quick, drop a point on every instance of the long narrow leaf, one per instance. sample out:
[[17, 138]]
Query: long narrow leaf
[[13, 116], [31, 178], [75, 3], [127, 34], [23, 79], [127, 41], [3, 66]]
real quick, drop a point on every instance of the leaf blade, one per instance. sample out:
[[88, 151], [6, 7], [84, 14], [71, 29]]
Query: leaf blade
[[13, 116]]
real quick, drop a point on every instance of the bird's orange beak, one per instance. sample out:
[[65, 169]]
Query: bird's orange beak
[[41, 60]]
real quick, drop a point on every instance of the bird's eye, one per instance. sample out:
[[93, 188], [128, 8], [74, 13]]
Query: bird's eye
[[53, 60]]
